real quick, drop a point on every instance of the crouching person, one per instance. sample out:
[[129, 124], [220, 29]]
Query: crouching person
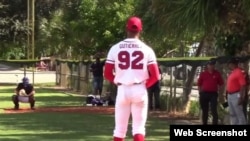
[[24, 92]]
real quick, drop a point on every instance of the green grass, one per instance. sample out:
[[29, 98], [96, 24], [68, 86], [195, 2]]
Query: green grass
[[46, 84], [44, 98], [64, 126]]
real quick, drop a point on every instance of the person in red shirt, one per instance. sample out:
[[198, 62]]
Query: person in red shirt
[[209, 83], [236, 89]]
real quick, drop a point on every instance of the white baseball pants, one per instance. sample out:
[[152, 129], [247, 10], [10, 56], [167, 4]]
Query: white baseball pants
[[133, 100]]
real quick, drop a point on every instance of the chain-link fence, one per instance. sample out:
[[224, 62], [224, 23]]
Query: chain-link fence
[[174, 82], [77, 76]]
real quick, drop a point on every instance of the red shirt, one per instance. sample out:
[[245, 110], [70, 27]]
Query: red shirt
[[209, 81], [235, 80]]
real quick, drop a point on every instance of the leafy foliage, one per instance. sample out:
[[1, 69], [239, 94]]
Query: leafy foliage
[[161, 36], [178, 17], [87, 26], [12, 29], [230, 43], [81, 28], [13, 25], [226, 20]]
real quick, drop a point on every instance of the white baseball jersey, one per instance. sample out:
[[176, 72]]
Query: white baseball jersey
[[131, 58]]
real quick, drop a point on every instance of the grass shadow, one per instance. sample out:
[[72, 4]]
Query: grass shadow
[[45, 97], [54, 101], [71, 127], [50, 101], [37, 89], [56, 126]]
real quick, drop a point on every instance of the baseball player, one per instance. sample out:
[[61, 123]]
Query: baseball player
[[29, 92], [128, 65]]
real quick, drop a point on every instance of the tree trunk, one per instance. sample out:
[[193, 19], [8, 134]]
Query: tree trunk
[[175, 93], [170, 105], [190, 79], [222, 68], [245, 65]]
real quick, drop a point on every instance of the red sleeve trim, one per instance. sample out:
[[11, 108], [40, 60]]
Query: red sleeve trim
[[108, 72], [154, 75]]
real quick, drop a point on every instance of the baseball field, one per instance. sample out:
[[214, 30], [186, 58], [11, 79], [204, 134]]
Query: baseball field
[[61, 116]]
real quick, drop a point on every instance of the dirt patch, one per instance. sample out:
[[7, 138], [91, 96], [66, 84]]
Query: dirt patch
[[83, 109], [174, 118], [94, 109], [170, 116]]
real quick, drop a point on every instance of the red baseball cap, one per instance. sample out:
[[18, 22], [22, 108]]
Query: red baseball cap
[[134, 24]]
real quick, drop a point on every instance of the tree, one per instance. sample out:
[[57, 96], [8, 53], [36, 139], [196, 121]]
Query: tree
[[210, 17], [86, 27], [12, 28], [13, 25], [101, 24]]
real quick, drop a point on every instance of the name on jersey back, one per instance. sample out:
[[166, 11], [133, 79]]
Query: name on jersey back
[[129, 46]]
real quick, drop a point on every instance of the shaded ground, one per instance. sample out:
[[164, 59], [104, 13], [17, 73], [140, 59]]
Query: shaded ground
[[171, 118], [83, 109], [175, 118]]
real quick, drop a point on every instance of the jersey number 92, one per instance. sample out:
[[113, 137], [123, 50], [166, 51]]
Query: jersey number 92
[[132, 61]]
